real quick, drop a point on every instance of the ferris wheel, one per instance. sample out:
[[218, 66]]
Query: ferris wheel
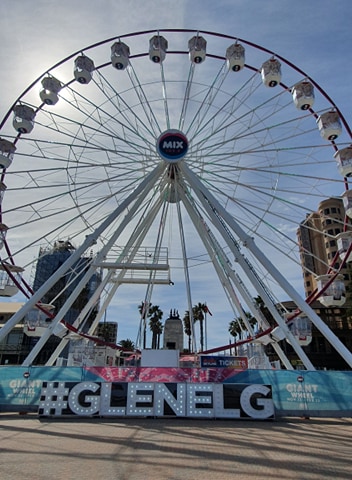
[[163, 156]]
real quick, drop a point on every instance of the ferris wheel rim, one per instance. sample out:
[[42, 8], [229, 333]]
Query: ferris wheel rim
[[169, 30], [217, 57]]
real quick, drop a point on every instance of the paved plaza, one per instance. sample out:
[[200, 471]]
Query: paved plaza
[[174, 449]]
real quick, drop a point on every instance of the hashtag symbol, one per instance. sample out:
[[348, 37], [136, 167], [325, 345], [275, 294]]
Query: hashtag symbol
[[53, 398]]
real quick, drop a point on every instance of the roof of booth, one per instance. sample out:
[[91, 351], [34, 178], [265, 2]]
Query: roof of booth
[[10, 307]]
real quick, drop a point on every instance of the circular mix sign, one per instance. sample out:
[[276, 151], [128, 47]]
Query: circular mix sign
[[172, 146]]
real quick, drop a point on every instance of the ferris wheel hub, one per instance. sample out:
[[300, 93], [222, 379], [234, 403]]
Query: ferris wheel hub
[[172, 146]]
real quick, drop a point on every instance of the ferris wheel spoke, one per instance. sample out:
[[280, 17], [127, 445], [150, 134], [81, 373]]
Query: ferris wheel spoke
[[144, 102], [133, 123], [205, 97], [227, 110], [249, 121], [165, 97]]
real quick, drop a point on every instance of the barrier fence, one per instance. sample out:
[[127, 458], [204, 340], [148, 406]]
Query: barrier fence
[[293, 393]]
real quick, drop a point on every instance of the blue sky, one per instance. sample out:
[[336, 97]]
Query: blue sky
[[314, 35]]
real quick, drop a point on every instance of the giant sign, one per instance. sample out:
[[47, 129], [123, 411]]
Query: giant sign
[[114, 399]]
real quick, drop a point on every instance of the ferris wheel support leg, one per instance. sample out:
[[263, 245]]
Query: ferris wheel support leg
[[187, 279], [205, 195], [211, 205], [281, 354], [225, 273], [64, 341], [137, 196], [300, 302], [89, 242]]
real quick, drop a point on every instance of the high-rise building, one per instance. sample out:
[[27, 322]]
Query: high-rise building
[[318, 245], [319, 252], [49, 260], [107, 331]]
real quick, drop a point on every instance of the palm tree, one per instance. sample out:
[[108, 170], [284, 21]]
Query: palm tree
[[127, 345], [265, 311], [144, 311], [187, 329], [198, 315], [155, 324], [237, 326]]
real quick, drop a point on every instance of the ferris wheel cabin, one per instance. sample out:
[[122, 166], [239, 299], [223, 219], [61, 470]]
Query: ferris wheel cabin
[[347, 202], [36, 321], [303, 95], [3, 231], [235, 57], [271, 72], [344, 242], [120, 53], [7, 150], [9, 278], [23, 120], [51, 88], [83, 69], [329, 125], [334, 292], [158, 46], [301, 329], [343, 159], [197, 47]]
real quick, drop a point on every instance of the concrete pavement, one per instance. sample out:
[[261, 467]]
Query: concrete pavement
[[174, 449]]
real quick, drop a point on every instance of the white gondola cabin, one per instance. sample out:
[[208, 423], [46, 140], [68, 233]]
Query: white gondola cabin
[[2, 191], [277, 334], [3, 231], [120, 53], [301, 329], [343, 159], [329, 125], [303, 95], [335, 294], [10, 276], [271, 72], [344, 242], [23, 119], [347, 202], [36, 321], [83, 69], [197, 47], [7, 151], [235, 57], [158, 46], [50, 89]]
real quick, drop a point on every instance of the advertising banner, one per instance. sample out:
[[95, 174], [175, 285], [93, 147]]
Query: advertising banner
[[237, 363], [295, 392]]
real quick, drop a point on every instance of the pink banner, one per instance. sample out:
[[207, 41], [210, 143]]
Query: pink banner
[[163, 374]]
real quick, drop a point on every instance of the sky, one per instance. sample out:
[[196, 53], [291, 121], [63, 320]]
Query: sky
[[315, 36]]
